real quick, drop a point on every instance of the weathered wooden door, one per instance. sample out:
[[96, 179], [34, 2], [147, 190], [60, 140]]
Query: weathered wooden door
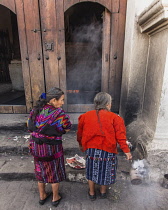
[[45, 41], [42, 43], [42, 46], [34, 45], [112, 52]]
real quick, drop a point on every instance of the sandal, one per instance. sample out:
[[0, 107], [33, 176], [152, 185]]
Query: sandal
[[103, 195], [56, 203], [92, 197], [41, 202]]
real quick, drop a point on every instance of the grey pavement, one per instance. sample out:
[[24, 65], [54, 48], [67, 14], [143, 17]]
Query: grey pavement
[[18, 188], [23, 195], [17, 164]]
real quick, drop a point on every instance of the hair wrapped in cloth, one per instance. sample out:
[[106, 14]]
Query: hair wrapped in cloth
[[43, 96]]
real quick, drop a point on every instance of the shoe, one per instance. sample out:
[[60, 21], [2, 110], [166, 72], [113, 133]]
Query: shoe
[[56, 203], [103, 195], [41, 202], [92, 197]]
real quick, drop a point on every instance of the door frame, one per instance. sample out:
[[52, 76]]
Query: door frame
[[112, 60], [16, 6]]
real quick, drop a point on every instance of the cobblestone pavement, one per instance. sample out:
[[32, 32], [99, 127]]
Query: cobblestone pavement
[[121, 196]]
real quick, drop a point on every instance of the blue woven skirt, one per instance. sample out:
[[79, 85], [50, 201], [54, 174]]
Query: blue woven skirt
[[101, 166]]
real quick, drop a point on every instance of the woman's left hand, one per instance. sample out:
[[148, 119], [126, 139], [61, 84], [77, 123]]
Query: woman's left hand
[[81, 148], [67, 130]]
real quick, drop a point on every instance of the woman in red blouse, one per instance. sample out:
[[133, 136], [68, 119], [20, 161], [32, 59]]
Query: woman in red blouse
[[98, 133]]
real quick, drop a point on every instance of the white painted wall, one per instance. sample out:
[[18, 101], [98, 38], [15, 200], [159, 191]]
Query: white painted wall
[[134, 64], [144, 96]]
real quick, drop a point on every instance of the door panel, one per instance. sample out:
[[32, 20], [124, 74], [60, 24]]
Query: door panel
[[24, 53], [106, 50], [49, 33], [120, 55], [33, 33], [61, 47], [115, 6], [114, 53]]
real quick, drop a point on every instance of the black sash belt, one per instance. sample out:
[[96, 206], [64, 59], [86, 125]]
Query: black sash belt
[[46, 141]]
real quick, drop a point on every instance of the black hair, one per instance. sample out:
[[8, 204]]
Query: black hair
[[52, 93]]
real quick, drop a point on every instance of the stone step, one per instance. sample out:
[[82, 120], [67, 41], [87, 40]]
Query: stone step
[[22, 168], [18, 121], [13, 121], [16, 163], [15, 142]]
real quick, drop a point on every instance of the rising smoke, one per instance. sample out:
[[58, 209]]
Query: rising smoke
[[84, 62]]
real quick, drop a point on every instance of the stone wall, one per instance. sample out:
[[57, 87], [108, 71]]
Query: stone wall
[[144, 98], [15, 70]]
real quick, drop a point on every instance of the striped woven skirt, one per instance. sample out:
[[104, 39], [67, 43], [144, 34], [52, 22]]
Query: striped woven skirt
[[101, 166], [48, 162]]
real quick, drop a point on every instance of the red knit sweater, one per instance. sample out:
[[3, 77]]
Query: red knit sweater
[[104, 135]]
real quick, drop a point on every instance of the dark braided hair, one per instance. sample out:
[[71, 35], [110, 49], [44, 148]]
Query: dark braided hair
[[52, 93], [101, 101]]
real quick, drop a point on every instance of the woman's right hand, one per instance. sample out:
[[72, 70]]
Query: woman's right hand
[[129, 156]]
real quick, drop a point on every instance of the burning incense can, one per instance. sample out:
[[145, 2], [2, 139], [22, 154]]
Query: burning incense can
[[135, 176], [165, 181]]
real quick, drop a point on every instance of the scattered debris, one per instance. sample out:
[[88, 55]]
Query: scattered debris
[[15, 138], [27, 137], [76, 162]]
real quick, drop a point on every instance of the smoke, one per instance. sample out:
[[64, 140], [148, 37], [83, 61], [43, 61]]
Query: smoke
[[141, 166], [89, 33], [84, 62]]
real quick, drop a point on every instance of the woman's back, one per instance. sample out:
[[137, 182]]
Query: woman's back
[[101, 130]]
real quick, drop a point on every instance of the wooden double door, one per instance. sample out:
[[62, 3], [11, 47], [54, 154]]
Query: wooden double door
[[41, 28]]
